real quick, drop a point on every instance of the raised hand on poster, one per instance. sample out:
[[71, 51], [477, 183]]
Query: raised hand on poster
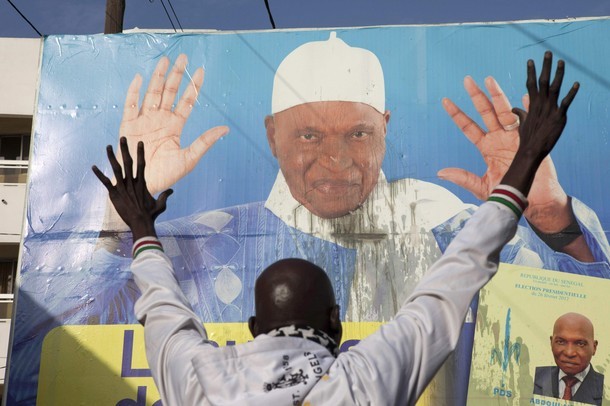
[[130, 196], [548, 207], [158, 124]]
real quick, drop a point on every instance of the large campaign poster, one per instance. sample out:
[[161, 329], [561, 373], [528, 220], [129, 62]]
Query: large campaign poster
[[382, 213]]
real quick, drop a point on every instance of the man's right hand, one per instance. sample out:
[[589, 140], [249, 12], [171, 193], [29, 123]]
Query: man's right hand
[[158, 124], [542, 125]]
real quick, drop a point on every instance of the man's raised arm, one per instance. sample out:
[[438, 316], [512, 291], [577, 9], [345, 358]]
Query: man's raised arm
[[172, 331], [406, 353]]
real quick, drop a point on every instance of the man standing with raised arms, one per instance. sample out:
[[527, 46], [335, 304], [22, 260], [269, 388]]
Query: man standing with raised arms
[[392, 366]]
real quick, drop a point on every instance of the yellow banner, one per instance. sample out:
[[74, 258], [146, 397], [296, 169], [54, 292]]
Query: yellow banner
[[106, 365]]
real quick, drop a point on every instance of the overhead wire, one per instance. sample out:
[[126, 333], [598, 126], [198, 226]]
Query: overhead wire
[[180, 24], [167, 14], [175, 15], [24, 17], [269, 13]]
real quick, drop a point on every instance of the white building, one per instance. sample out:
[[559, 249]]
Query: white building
[[19, 66]]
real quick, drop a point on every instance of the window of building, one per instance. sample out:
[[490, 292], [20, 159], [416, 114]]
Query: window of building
[[8, 270], [14, 150], [15, 147]]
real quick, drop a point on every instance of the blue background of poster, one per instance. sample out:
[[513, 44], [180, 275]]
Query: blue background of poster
[[84, 79], [421, 65]]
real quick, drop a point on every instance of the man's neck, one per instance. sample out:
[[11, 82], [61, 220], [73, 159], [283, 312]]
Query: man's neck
[[581, 375], [308, 333]]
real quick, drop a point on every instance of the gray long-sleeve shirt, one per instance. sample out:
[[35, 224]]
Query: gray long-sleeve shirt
[[391, 366]]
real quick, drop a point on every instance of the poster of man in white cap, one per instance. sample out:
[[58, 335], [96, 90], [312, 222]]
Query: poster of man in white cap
[[335, 146]]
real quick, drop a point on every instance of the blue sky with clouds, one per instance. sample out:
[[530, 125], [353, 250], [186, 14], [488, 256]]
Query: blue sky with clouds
[[87, 16]]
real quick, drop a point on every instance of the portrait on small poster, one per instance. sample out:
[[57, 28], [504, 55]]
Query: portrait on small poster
[[541, 338]]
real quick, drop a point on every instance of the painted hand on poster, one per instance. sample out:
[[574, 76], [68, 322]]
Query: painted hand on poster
[[549, 208], [130, 196], [159, 123]]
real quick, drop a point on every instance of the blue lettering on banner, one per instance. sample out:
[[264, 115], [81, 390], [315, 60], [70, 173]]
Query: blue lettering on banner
[[347, 344], [140, 399], [542, 402], [126, 370], [502, 392]]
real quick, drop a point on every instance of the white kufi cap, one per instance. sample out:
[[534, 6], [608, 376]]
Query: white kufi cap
[[328, 71]]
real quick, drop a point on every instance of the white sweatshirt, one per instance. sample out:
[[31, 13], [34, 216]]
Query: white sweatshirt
[[390, 367]]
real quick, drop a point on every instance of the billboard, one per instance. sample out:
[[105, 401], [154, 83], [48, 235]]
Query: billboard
[[244, 204]]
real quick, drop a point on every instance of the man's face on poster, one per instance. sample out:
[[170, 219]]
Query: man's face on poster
[[330, 153], [573, 344]]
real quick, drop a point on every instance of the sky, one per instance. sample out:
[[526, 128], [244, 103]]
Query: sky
[[87, 16]]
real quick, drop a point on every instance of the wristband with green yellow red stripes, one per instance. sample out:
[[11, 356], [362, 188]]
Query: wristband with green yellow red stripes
[[145, 244], [510, 197]]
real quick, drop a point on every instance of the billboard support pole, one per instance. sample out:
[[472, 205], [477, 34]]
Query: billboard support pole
[[115, 11]]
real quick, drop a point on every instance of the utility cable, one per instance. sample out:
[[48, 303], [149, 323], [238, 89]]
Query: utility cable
[[168, 17], [269, 13], [175, 15], [167, 14], [24, 17]]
